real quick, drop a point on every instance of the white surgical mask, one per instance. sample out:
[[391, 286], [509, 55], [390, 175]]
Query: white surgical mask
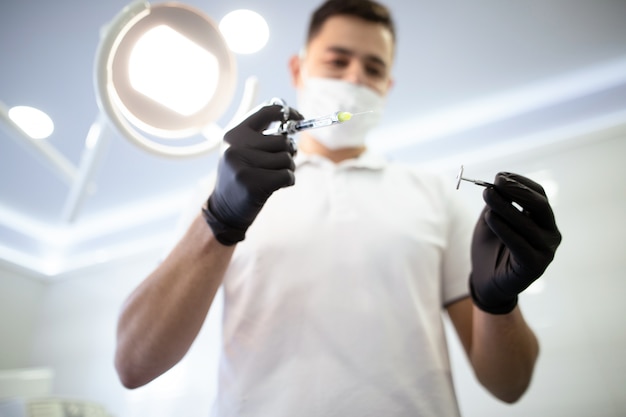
[[322, 96]]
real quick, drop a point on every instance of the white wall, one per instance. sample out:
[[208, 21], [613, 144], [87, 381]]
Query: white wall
[[74, 335], [579, 315], [20, 298]]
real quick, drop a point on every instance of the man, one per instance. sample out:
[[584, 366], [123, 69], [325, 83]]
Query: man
[[334, 286]]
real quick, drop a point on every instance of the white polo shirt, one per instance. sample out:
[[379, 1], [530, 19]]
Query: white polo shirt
[[333, 301]]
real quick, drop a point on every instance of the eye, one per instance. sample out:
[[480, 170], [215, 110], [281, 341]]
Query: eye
[[338, 63], [374, 71]]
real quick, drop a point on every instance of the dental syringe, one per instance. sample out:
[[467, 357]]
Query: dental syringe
[[291, 127], [331, 119]]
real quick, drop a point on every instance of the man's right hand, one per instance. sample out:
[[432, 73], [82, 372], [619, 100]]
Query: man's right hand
[[251, 169]]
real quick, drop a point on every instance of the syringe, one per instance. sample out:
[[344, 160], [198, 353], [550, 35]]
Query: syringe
[[337, 117], [291, 127]]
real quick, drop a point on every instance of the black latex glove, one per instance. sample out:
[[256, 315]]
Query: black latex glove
[[511, 248], [250, 170]]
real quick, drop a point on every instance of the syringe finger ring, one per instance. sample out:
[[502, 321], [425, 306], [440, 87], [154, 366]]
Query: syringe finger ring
[[280, 102]]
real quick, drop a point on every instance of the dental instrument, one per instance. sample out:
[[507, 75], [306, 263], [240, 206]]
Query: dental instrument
[[290, 127], [460, 178], [328, 120]]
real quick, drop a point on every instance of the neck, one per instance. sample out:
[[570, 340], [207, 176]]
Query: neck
[[308, 144]]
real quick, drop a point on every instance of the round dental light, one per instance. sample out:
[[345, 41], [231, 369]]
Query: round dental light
[[165, 71]]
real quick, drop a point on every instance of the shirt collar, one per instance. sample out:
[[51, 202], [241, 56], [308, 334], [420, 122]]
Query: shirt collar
[[367, 160]]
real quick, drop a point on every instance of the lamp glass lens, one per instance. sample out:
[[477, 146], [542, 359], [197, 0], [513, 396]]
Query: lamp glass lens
[[172, 70]]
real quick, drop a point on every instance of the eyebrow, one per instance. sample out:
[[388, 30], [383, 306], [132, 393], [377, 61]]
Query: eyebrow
[[344, 51]]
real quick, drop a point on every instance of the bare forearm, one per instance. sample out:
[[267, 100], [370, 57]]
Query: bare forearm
[[163, 316], [503, 353]]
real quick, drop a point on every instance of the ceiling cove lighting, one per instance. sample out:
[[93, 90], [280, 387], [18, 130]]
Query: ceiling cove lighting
[[246, 32]]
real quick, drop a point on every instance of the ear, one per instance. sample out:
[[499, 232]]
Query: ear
[[295, 69]]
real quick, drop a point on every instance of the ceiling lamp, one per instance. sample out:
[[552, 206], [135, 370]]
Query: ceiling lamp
[[162, 73], [249, 40], [34, 122], [165, 71]]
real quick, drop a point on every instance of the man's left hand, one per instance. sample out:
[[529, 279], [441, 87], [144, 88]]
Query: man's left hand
[[511, 247]]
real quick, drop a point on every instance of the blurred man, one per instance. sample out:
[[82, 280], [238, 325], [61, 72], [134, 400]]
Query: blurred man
[[336, 264]]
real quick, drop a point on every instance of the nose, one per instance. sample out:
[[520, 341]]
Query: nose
[[355, 72]]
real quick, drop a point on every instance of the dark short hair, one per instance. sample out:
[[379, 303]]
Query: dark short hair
[[368, 10]]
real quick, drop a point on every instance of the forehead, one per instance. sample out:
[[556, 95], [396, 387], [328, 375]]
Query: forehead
[[354, 34]]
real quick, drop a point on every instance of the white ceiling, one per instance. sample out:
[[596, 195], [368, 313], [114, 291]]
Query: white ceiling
[[475, 80]]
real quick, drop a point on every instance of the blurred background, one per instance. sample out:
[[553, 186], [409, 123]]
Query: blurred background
[[533, 87]]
